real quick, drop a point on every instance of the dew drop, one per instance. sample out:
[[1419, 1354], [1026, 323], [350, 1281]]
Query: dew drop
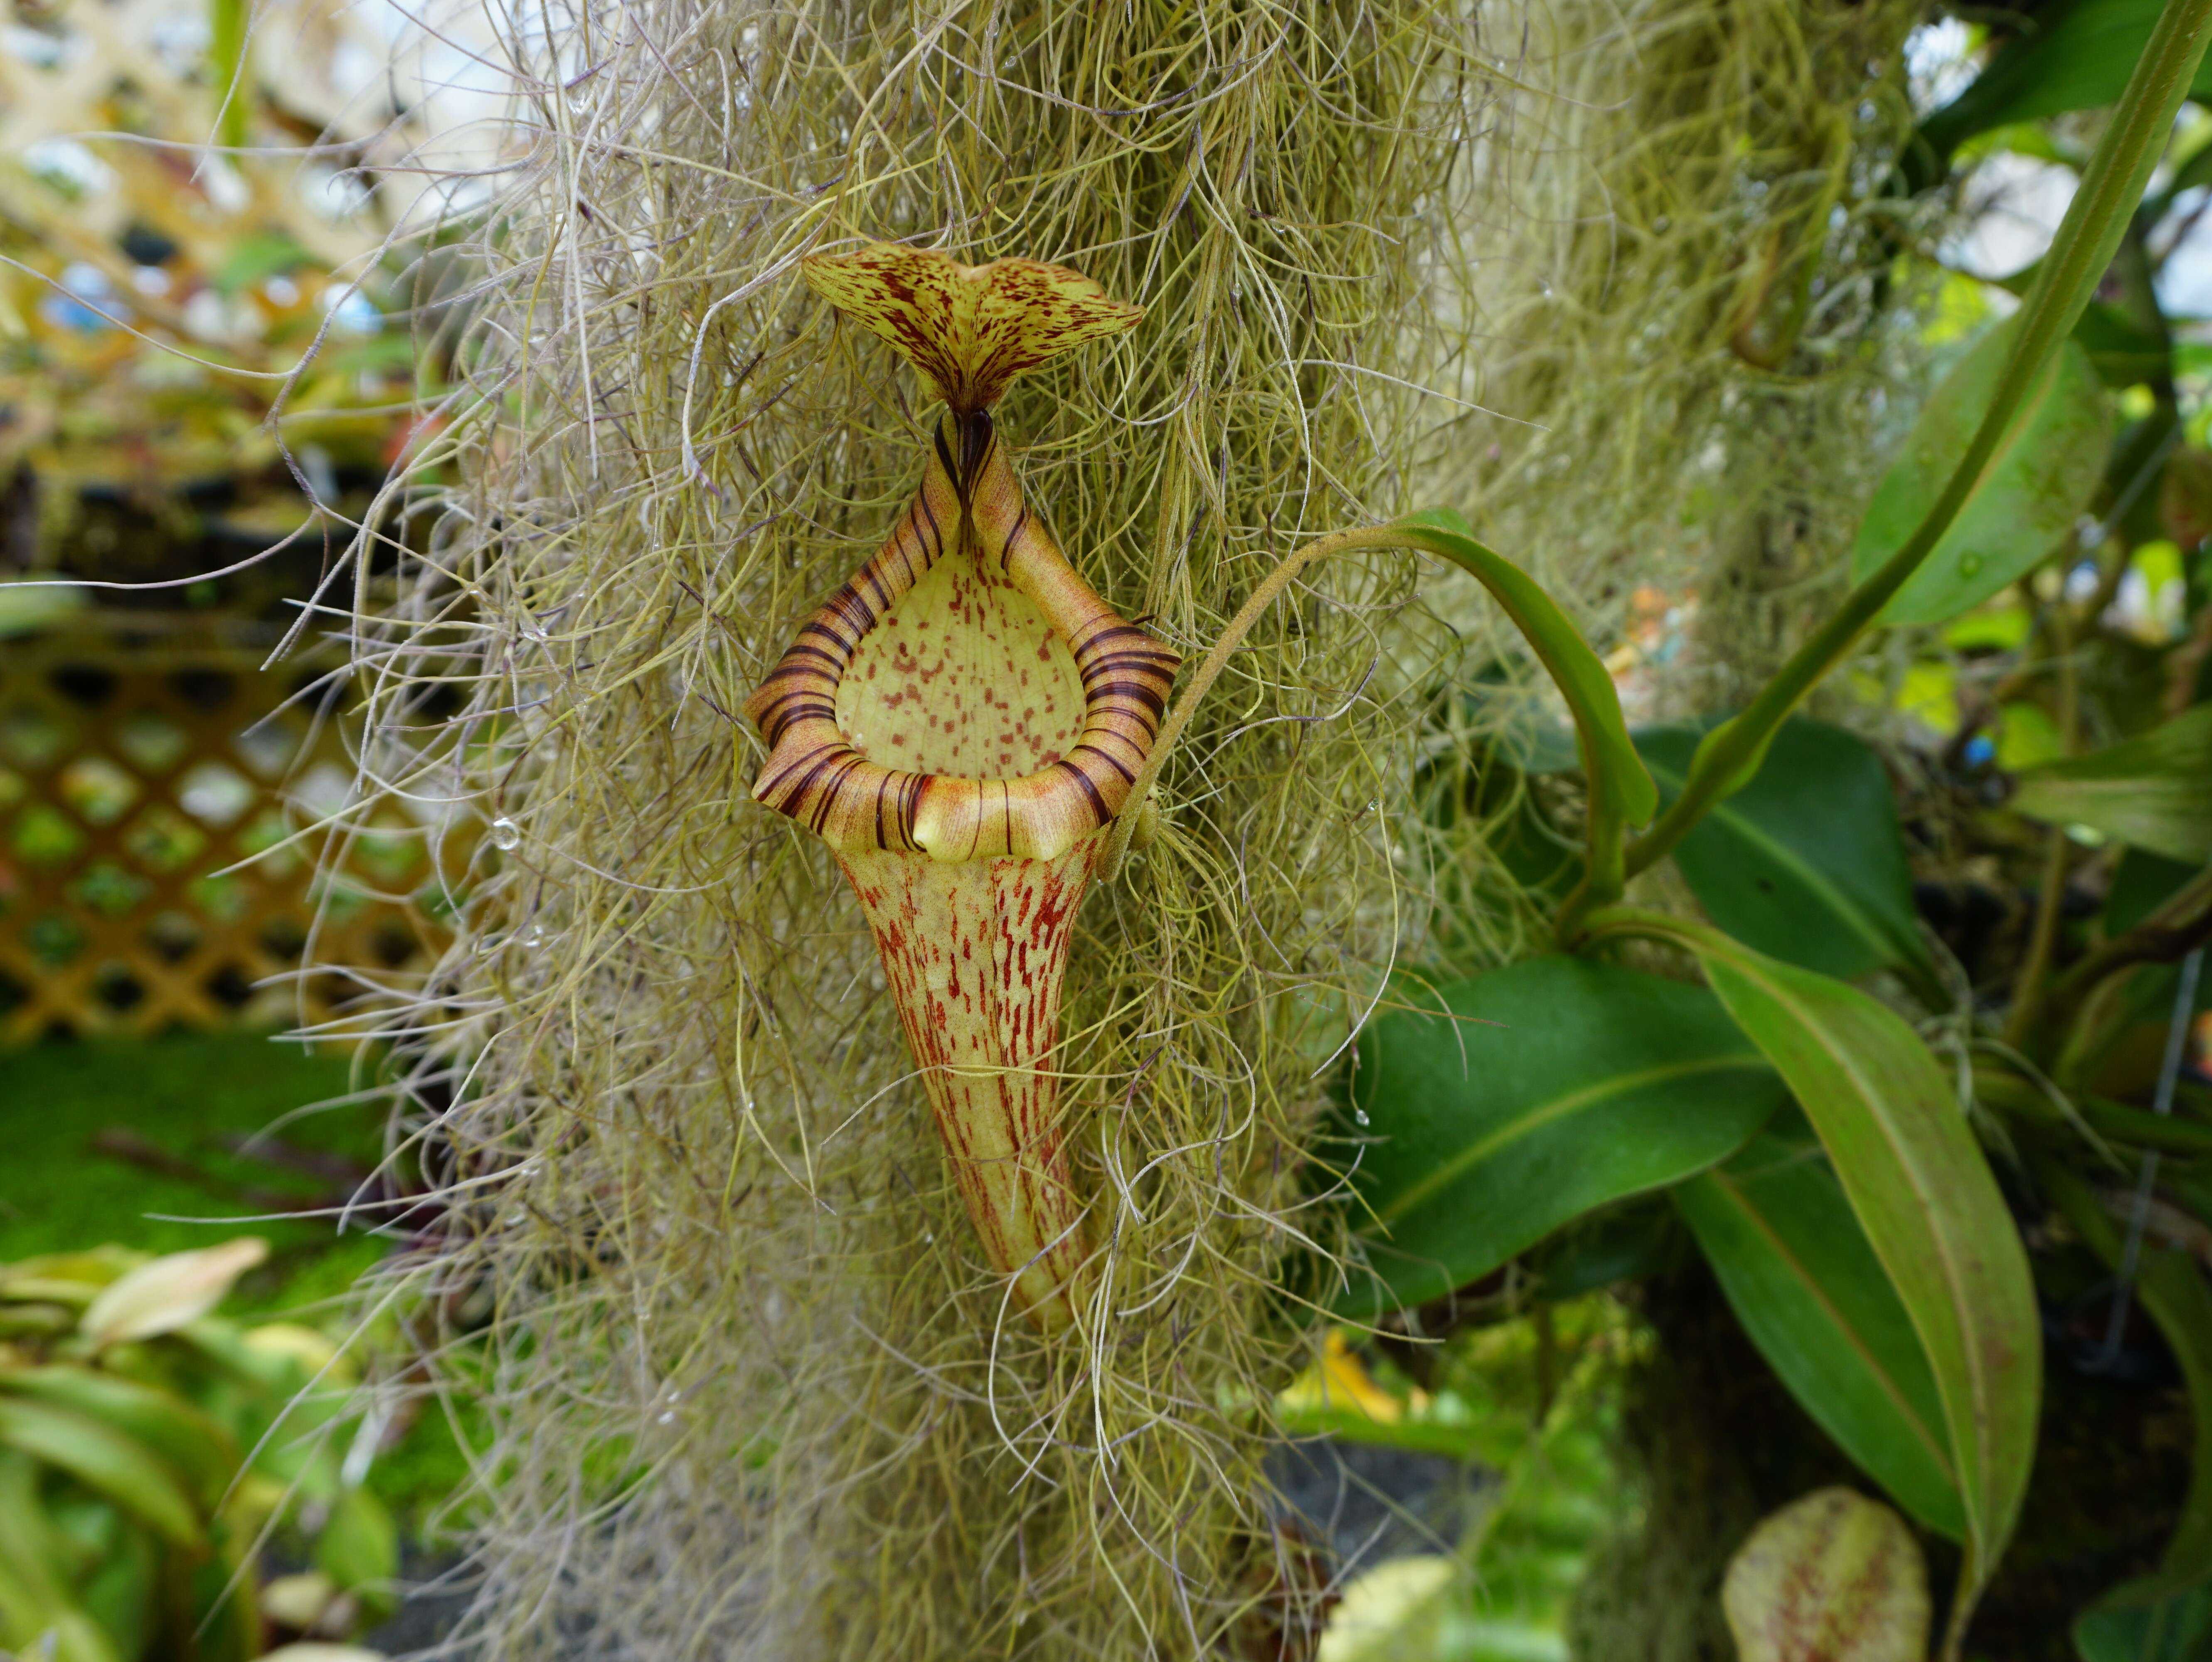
[[669, 1417], [533, 936], [1969, 564], [1359, 1116], [506, 834], [929, 1236]]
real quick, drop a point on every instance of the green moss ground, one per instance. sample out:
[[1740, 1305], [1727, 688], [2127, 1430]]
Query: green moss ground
[[182, 1094]]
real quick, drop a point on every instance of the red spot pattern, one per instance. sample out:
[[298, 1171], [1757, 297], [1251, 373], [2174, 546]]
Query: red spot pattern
[[975, 952]]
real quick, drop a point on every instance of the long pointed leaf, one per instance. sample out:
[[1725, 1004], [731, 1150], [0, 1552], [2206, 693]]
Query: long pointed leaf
[[2174, 1630], [174, 1428], [1802, 1279], [2041, 476], [1925, 1196], [2075, 57], [2153, 791]]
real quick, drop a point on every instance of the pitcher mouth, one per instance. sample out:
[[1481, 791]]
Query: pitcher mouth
[[820, 774]]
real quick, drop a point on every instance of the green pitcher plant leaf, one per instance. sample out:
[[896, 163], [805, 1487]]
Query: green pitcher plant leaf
[[1499, 1108], [2067, 57], [1621, 790], [1806, 863], [2153, 791], [2035, 486], [1924, 1196], [1639, 1237], [1803, 1280], [2178, 1628]]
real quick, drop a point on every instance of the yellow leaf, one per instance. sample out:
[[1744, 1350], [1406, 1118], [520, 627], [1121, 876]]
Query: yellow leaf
[[1339, 1380], [313, 1351], [161, 1297]]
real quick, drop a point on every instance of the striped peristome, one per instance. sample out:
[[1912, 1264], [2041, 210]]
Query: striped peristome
[[969, 503]]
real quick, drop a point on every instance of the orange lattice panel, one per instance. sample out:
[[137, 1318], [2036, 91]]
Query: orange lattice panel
[[162, 843]]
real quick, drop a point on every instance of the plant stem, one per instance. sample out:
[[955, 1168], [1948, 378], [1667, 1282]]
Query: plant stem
[[2183, 922], [227, 48], [2043, 942], [2023, 1099], [2095, 221], [1209, 672]]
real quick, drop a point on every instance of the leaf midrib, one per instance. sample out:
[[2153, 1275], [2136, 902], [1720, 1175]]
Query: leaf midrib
[[1977, 1408], [1937, 1449], [1544, 1113]]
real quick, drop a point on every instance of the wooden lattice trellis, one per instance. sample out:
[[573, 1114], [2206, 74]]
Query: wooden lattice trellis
[[140, 759]]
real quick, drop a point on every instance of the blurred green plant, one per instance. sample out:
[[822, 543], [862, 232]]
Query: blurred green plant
[[149, 1449]]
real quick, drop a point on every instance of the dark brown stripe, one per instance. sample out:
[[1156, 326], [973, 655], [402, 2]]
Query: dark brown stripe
[[1128, 778], [1099, 812], [780, 718], [952, 471], [828, 799], [851, 606], [936, 530]]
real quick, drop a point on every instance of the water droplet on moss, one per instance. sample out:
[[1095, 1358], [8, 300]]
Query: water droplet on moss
[[506, 834]]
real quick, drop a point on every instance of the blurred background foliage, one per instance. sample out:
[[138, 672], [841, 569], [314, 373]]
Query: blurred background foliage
[[214, 278], [220, 304], [213, 293]]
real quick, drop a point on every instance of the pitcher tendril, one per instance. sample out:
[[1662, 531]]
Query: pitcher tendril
[[960, 722]]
